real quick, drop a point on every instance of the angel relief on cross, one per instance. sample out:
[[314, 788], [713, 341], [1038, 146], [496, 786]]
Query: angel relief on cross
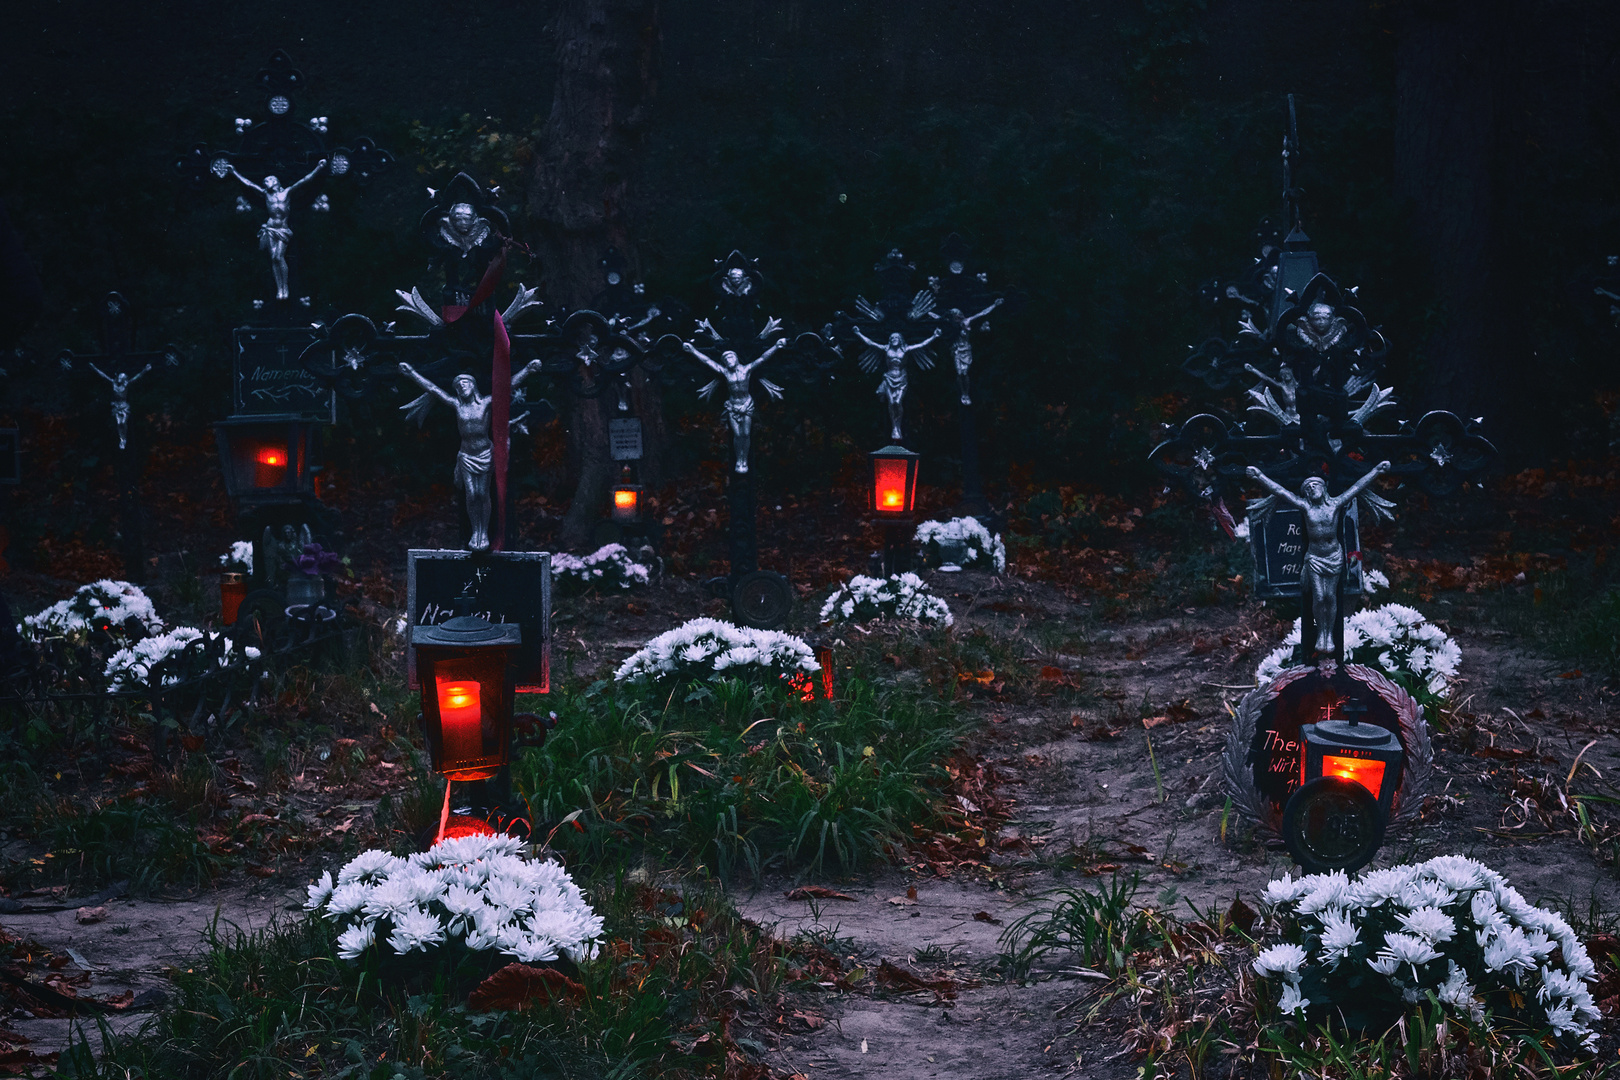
[[892, 355]]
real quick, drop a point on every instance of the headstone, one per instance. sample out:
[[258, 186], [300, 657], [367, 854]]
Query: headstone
[[624, 439], [1278, 543], [271, 378], [506, 586]]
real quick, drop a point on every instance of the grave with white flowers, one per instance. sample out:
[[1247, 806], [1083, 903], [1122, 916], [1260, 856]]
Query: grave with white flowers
[[1332, 748]]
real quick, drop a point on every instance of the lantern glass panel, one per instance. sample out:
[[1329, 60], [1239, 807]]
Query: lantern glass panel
[[889, 480], [464, 703], [1366, 772], [626, 503]]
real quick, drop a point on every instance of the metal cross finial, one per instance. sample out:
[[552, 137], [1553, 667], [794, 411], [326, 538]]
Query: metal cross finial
[[1291, 194]]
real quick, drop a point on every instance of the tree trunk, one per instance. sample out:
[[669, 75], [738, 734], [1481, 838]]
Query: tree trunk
[[1445, 134], [607, 58]]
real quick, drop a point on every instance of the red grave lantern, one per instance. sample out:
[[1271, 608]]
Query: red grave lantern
[[894, 483], [269, 459], [626, 503], [465, 669]]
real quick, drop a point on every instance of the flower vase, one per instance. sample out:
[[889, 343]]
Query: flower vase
[[305, 589]]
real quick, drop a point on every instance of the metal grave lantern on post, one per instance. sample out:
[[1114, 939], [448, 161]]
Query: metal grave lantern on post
[[465, 668], [894, 501], [626, 503], [1349, 774], [269, 459]]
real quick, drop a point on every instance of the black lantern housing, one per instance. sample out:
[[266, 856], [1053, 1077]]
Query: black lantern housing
[[269, 459], [894, 483], [1349, 773], [464, 666]]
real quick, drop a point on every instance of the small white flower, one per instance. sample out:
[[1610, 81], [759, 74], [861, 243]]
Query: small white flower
[[416, 930], [1285, 890], [1429, 923], [356, 940], [1409, 949], [1284, 960], [347, 899], [1339, 936], [1292, 1001], [320, 892]]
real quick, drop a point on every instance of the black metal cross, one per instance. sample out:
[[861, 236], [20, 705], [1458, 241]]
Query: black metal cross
[[120, 365], [272, 158]]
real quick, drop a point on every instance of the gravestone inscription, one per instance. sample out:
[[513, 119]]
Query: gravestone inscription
[[1278, 544], [271, 377]]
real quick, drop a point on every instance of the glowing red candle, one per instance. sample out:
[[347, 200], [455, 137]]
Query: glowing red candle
[[461, 723], [891, 485], [269, 467], [1368, 772]]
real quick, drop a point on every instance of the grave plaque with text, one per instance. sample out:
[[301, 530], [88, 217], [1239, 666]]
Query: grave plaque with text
[[1279, 554], [271, 379], [506, 587]]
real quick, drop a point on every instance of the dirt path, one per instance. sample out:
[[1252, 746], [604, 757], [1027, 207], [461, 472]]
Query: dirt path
[[1088, 801], [132, 950]]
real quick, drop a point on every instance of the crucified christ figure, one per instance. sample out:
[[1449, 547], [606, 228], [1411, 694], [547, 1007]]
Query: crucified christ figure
[[739, 408], [473, 461], [962, 347], [275, 233], [893, 358], [1324, 552], [120, 403]]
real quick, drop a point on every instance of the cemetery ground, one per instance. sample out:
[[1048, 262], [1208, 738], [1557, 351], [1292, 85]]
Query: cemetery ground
[[1000, 852]]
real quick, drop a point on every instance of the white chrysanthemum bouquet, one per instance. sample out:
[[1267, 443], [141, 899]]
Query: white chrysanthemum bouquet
[[1370, 947], [982, 551], [1394, 639], [131, 667], [898, 596], [608, 567], [711, 649], [475, 891], [113, 605], [239, 558]]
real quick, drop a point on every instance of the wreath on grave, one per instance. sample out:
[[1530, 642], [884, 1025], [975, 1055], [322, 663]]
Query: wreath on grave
[[1239, 759]]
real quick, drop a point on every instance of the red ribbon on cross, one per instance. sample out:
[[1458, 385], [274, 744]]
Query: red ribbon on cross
[[500, 388]]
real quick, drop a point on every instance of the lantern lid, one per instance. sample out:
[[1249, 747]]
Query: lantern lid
[[894, 451], [1349, 734], [465, 630]]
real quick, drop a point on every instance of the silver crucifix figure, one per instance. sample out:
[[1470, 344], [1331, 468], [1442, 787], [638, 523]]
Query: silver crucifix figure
[[275, 234], [476, 457], [1324, 552], [962, 347], [120, 384], [739, 407], [892, 357]]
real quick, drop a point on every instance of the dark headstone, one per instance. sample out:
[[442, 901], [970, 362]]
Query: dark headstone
[[271, 379], [1278, 544], [506, 587]]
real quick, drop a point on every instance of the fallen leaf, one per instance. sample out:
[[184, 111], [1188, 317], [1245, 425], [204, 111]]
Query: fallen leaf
[[1576, 674], [516, 986], [810, 1020], [260, 871], [91, 914], [816, 892], [1240, 915], [900, 901], [985, 916]]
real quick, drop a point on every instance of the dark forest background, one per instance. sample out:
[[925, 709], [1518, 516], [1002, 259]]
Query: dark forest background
[[1106, 158]]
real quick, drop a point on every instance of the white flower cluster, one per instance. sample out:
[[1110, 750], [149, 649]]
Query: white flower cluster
[[105, 602], [609, 565], [898, 596], [981, 547], [707, 648], [474, 889], [131, 667], [240, 557], [1451, 926], [1394, 638]]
